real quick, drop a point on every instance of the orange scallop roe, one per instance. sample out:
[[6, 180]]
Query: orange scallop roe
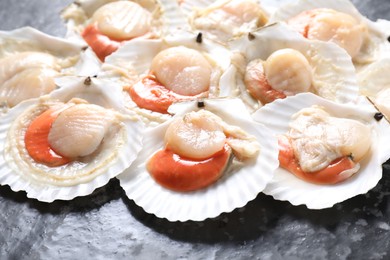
[[37, 143], [101, 44], [150, 94], [177, 173], [258, 86], [330, 175], [330, 25]]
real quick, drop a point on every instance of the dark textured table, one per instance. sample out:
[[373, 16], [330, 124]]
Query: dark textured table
[[107, 225]]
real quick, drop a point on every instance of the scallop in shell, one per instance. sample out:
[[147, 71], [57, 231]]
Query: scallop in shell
[[240, 181], [55, 149], [156, 73], [30, 60], [339, 22], [275, 62], [375, 84], [106, 24], [225, 19], [286, 186]]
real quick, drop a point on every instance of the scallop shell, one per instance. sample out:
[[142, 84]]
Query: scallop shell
[[133, 60], [285, 186], [375, 84], [198, 12], [74, 60], [271, 6], [333, 72], [103, 92], [69, 57], [233, 190], [166, 16], [135, 57], [44, 183], [30, 39], [94, 90], [375, 44]]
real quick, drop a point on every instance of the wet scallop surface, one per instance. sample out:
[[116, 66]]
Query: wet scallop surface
[[106, 224]]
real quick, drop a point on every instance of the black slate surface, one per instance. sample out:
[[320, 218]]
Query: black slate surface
[[107, 225]]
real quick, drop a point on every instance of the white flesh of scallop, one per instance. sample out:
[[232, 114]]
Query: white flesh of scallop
[[79, 130], [123, 20], [287, 70], [334, 26], [30, 60], [119, 148], [183, 70], [196, 135], [26, 75], [134, 60], [151, 18], [318, 138], [222, 20], [333, 73], [201, 134], [240, 183], [372, 34], [286, 186]]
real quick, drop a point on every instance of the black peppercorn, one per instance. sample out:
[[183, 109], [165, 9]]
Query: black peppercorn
[[87, 81], [199, 38], [378, 116]]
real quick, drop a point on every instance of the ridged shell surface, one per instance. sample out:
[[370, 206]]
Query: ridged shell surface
[[237, 187], [375, 41], [165, 16], [118, 149], [225, 19], [31, 60], [285, 186], [134, 59], [334, 75]]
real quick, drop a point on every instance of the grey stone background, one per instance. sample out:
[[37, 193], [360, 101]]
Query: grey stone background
[[107, 225]]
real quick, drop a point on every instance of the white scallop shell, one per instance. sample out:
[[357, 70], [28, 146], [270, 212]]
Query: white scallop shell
[[103, 92], [375, 84], [374, 77], [135, 57], [285, 186], [236, 188], [97, 91], [166, 14], [333, 72], [133, 60], [70, 56], [375, 45], [30, 39], [18, 177], [198, 8], [271, 6]]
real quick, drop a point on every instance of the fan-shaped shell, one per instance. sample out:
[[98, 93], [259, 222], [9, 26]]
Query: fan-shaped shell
[[225, 19], [333, 72], [375, 84], [285, 186], [119, 147], [375, 40], [30, 60], [133, 61], [165, 17], [239, 184]]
